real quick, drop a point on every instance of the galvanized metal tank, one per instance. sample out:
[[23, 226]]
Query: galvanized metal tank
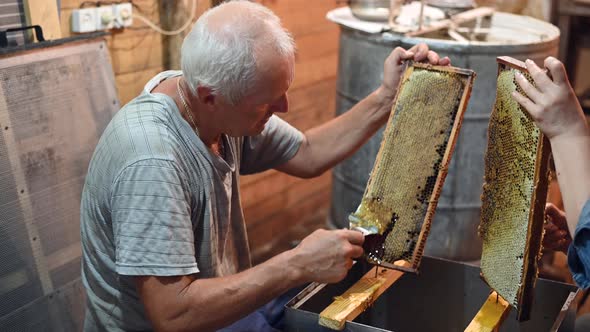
[[360, 70], [445, 296]]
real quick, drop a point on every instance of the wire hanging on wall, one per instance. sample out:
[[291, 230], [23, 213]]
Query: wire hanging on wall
[[169, 32], [139, 15]]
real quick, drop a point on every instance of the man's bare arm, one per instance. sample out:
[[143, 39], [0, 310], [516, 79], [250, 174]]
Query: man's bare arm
[[328, 144], [185, 303]]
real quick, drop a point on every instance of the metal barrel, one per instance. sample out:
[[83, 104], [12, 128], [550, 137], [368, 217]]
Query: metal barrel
[[360, 70]]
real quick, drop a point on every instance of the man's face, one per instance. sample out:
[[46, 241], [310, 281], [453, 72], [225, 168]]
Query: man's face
[[269, 96]]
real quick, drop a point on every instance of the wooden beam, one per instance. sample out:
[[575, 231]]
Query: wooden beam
[[359, 297], [24, 198], [456, 20], [64, 256], [173, 15], [490, 316], [45, 14]]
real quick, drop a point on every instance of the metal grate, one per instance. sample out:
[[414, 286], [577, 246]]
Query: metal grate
[[54, 104]]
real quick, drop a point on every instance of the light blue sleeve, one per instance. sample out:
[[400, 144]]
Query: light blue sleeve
[[277, 144], [578, 256], [152, 227]]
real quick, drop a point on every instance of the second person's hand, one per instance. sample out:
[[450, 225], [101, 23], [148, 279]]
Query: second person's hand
[[557, 236], [552, 102]]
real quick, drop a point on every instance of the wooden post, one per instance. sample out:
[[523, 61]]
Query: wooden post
[[173, 14], [358, 297], [456, 20], [24, 200], [45, 14], [490, 316], [421, 17]]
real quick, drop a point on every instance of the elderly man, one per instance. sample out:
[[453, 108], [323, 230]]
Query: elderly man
[[163, 234]]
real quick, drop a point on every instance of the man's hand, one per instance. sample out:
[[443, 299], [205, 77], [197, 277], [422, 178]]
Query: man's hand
[[393, 66], [557, 236], [326, 145], [552, 103], [326, 256], [187, 303]]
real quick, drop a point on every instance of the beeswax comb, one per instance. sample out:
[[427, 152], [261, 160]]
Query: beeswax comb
[[403, 189], [514, 194]]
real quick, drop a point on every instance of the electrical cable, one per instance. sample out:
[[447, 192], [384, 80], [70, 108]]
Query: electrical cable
[[169, 32], [144, 19]]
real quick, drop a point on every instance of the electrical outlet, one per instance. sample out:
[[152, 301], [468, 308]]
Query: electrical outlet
[[102, 18], [84, 20], [105, 18], [123, 15]]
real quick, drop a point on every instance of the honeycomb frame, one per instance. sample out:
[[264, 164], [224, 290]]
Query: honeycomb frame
[[492, 231], [378, 216]]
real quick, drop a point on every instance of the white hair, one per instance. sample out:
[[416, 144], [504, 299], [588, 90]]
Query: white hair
[[221, 54]]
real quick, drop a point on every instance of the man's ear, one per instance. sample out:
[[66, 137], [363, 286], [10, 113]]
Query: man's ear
[[206, 95]]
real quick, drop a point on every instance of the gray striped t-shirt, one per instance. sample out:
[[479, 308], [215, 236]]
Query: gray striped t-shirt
[[157, 202]]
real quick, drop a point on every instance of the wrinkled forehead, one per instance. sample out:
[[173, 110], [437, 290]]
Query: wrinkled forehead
[[274, 67], [274, 76]]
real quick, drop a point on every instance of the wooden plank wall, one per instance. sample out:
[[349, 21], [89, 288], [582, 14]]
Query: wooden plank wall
[[279, 209], [136, 52]]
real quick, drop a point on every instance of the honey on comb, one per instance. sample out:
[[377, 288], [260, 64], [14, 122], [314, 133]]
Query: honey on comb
[[410, 167], [513, 196]]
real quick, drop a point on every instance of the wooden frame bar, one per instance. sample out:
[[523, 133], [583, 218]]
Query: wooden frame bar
[[359, 297], [491, 315]]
